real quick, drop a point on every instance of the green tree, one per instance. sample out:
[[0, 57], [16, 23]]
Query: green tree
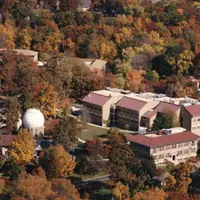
[[167, 120], [152, 76], [12, 113], [67, 131]]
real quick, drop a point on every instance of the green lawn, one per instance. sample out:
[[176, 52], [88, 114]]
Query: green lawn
[[91, 132]]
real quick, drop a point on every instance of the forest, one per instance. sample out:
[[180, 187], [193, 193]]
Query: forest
[[148, 46]]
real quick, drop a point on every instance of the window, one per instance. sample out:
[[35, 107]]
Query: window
[[186, 144], [154, 150], [194, 120], [186, 151], [168, 147], [180, 153], [173, 146], [194, 127], [180, 145], [168, 155], [193, 150], [160, 156], [198, 119], [154, 157], [193, 143]]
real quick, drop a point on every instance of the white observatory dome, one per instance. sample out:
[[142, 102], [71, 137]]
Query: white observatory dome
[[33, 118]]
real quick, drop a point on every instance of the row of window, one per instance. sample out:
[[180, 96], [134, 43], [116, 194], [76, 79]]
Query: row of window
[[169, 155], [173, 146], [195, 127], [134, 113], [196, 120]]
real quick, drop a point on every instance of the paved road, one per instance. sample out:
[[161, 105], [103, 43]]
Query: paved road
[[100, 178], [83, 183]]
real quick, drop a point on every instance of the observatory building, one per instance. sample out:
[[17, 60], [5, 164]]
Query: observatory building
[[33, 120]]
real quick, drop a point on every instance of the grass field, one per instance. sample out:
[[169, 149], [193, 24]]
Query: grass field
[[92, 131]]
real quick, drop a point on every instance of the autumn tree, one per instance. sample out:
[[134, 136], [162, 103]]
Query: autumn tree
[[31, 187], [133, 80], [22, 148], [18, 74], [182, 62], [121, 192], [156, 193], [44, 97], [179, 179], [7, 36], [64, 189], [57, 162]]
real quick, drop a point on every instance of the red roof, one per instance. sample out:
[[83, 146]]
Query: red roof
[[164, 139], [130, 103], [5, 140], [194, 110], [96, 99], [164, 107]]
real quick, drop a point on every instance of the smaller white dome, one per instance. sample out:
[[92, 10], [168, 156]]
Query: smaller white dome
[[33, 118]]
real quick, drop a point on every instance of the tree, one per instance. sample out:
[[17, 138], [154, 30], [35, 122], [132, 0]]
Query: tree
[[179, 179], [121, 192], [12, 113], [165, 120], [31, 187], [57, 162], [44, 97], [18, 73], [152, 76], [94, 148], [64, 189], [7, 36], [182, 62], [67, 131], [151, 194], [133, 80], [120, 158], [22, 148]]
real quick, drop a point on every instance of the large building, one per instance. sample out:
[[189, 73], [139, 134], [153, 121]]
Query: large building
[[129, 112], [133, 111], [174, 147], [190, 118], [96, 106]]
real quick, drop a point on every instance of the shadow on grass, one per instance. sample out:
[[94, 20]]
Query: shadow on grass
[[103, 136], [98, 190]]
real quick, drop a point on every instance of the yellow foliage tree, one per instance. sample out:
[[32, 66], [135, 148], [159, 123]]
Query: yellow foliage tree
[[7, 36], [45, 97], [121, 192], [22, 148], [24, 38], [57, 162], [133, 80], [107, 50]]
